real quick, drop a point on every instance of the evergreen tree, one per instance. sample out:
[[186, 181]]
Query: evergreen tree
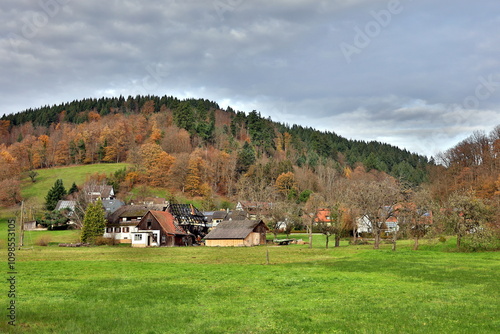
[[73, 189], [246, 158], [94, 222], [56, 193]]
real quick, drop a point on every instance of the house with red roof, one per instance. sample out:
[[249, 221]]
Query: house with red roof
[[158, 228]]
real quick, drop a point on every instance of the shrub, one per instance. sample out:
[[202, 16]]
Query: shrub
[[358, 242], [102, 241], [442, 239], [43, 240]]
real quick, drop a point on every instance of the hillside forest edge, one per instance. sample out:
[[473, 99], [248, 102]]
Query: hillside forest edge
[[194, 149]]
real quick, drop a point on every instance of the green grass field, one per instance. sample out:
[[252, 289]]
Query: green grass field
[[78, 174], [351, 289]]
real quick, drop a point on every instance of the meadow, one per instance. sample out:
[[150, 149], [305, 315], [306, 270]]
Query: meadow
[[350, 289], [46, 177]]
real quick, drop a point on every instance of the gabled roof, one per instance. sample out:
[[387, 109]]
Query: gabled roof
[[323, 216], [111, 205], [234, 229], [65, 205], [219, 215], [236, 215], [128, 211], [166, 221]]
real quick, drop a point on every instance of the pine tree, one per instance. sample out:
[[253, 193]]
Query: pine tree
[[94, 222], [73, 189], [56, 193], [246, 158]]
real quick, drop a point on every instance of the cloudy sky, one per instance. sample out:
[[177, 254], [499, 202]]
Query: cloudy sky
[[418, 74]]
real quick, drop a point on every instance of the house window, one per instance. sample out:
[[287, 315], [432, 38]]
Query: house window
[[126, 229], [117, 230], [124, 219], [137, 237], [149, 225], [109, 230]]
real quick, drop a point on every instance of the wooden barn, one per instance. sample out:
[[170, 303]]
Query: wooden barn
[[237, 233], [158, 228]]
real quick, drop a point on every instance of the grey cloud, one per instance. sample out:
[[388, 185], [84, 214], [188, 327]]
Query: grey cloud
[[283, 58]]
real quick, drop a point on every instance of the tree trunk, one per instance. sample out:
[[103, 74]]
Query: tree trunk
[[337, 240], [327, 239], [377, 240], [394, 239], [459, 240], [415, 246], [310, 236]]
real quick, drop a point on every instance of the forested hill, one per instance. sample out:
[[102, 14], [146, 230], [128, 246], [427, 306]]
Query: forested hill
[[184, 125]]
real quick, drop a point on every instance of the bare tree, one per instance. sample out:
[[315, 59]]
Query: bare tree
[[466, 214], [376, 200], [311, 207]]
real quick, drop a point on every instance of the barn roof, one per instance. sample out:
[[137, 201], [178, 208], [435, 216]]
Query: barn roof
[[233, 229], [166, 221]]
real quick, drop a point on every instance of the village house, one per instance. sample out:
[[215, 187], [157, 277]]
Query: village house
[[237, 233], [100, 191], [158, 228], [127, 225], [123, 221], [214, 218], [254, 209]]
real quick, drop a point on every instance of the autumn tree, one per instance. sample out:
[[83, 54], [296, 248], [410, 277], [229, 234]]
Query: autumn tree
[[286, 185], [148, 158], [10, 192], [94, 222], [160, 170], [148, 108], [195, 184]]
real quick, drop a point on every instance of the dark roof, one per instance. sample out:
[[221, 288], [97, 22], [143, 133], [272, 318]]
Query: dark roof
[[128, 211], [233, 229], [219, 215], [166, 221], [111, 205], [187, 214], [236, 215]]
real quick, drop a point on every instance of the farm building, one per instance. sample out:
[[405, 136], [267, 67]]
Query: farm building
[[237, 233]]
